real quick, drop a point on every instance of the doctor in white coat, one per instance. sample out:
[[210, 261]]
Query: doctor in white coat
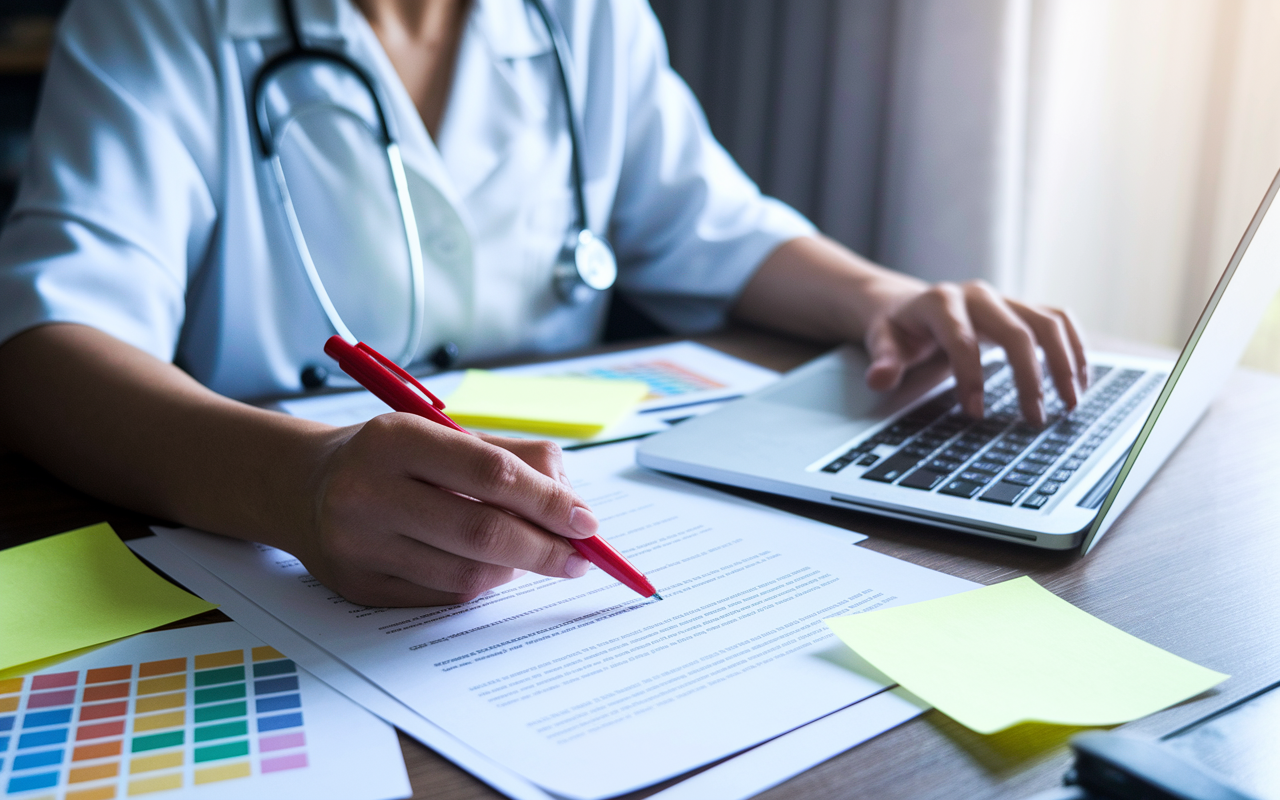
[[151, 275]]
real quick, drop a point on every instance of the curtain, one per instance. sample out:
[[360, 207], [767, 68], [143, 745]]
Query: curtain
[[1095, 154]]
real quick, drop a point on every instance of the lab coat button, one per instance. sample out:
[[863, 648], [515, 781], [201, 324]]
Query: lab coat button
[[445, 355]]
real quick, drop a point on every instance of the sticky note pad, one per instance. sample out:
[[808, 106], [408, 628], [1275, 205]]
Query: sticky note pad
[[1013, 652], [77, 589], [573, 407]]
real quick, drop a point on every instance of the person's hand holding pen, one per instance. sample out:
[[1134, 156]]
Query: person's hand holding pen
[[410, 513], [481, 512]]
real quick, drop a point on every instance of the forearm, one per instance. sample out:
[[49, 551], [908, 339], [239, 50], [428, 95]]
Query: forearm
[[128, 428], [818, 289]]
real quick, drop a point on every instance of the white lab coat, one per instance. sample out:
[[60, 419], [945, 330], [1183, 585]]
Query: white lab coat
[[146, 210]]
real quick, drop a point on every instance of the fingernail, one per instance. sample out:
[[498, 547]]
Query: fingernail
[[1041, 416], [583, 521], [576, 566]]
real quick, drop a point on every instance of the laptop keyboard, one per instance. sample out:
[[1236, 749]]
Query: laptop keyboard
[[999, 459]]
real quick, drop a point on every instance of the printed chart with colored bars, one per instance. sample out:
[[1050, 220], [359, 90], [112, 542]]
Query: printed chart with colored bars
[[186, 713], [665, 378]]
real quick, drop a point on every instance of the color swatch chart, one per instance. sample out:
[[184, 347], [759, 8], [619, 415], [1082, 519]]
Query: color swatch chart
[[665, 378], [158, 725]]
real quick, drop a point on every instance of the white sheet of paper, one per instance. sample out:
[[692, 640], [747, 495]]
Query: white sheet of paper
[[713, 377], [329, 748], [778, 760], [346, 681], [740, 777], [582, 687]]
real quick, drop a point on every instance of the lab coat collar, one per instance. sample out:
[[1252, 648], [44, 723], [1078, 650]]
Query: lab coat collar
[[263, 19], [510, 27], [509, 30]]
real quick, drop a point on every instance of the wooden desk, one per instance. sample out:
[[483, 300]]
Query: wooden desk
[[1193, 567]]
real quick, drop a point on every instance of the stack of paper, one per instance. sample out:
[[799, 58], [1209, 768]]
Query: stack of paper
[[584, 690]]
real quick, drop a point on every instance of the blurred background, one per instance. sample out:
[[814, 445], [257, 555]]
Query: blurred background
[[1101, 155]]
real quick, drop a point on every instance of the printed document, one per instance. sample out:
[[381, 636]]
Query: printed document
[[580, 685]]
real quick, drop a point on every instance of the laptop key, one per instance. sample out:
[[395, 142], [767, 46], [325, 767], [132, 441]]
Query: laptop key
[[1004, 493], [1036, 501], [1020, 478], [868, 460], [892, 468], [962, 488], [923, 478], [973, 476], [988, 466], [1049, 487]]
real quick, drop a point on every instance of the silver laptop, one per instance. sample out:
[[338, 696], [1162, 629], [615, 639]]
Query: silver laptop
[[819, 434]]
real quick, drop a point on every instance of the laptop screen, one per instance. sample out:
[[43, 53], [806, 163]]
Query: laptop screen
[[1220, 336]]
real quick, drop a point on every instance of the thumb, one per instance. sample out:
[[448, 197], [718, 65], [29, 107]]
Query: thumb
[[888, 362]]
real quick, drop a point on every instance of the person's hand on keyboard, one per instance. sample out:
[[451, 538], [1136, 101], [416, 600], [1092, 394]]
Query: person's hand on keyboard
[[817, 288], [956, 318]]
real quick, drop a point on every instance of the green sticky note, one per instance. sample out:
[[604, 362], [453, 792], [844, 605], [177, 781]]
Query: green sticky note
[[576, 408], [77, 589], [1014, 652]]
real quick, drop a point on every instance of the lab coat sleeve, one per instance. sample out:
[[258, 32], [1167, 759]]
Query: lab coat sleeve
[[115, 207], [689, 227]]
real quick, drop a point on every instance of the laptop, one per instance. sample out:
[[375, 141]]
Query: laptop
[[820, 434]]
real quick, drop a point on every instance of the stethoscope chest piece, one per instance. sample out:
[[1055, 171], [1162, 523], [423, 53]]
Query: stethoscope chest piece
[[585, 268]]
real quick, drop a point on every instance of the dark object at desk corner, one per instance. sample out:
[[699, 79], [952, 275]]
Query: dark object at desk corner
[[1120, 767]]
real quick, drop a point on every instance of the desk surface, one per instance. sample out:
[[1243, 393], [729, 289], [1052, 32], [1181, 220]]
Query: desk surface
[[1191, 567]]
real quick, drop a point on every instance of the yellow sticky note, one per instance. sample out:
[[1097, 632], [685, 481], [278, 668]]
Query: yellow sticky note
[[1014, 652], [572, 407], [78, 589]]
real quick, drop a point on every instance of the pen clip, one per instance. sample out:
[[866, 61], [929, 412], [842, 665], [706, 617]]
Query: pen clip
[[395, 370]]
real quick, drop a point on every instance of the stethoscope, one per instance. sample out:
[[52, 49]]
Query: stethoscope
[[585, 266]]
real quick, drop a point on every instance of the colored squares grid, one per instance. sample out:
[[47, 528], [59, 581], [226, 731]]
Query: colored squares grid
[[139, 729]]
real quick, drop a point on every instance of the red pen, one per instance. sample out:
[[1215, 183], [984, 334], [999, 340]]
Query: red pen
[[400, 390]]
